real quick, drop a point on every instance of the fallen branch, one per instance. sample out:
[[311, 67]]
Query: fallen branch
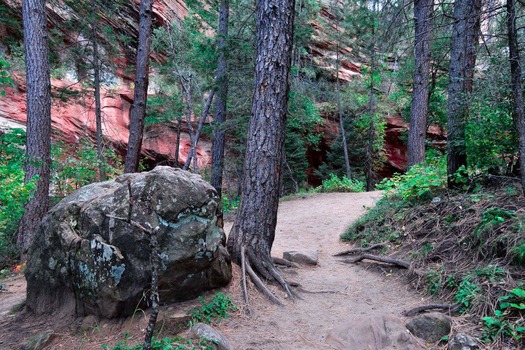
[[384, 259], [449, 308], [361, 250]]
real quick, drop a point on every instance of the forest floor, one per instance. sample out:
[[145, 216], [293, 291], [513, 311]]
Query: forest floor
[[334, 294]]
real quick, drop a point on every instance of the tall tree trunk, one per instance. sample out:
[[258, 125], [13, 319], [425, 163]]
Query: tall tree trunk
[[195, 137], [219, 134], [465, 36], [517, 87], [138, 109], [38, 146], [98, 110], [253, 232], [423, 10], [342, 130], [177, 144], [369, 161]]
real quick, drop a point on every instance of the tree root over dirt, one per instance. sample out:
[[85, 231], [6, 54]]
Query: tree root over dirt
[[447, 308], [383, 259], [361, 250], [253, 265]]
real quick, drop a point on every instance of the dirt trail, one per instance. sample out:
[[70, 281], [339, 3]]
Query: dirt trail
[[348, 292], [351, 291]]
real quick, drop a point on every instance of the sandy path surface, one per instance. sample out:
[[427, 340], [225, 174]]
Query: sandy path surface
[[350, 291]]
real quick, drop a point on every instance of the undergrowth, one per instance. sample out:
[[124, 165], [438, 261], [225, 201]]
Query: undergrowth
[[177, 343], [466, 247], [212, 311]]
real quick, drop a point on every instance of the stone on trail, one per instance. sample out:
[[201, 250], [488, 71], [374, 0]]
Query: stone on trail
[[372, 332], [430, 327], [89, 256], [202, 330], [307, 257], [463, 342]]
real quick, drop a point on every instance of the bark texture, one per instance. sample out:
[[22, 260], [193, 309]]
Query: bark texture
[[254, 229], [138, 109], [465, 36], [517, 87], [423, 10], [219, 135], [38, 146]]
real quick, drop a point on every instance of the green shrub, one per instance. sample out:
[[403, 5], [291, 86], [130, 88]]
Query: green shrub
[[215, 310], [420, 182], [14, 193], [75, 166], [335, 184], [507, 321]]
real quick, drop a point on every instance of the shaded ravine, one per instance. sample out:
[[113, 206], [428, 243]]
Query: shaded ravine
[[349, 292]]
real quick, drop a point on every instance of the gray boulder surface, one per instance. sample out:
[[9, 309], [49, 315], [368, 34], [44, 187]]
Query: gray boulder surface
[[431, 327], [91, 258]]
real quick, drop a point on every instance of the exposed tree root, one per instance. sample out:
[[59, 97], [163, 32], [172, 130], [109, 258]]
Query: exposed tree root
[[253, 266], [300, 287], [284, 262], [384, 259], [449, 308], [361, 250]]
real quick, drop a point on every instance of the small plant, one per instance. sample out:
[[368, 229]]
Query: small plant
[[229, 204], [215, 310], [466, 293], [494, 216], [493, 273], [507, 321], [177, 343], [335, 184]]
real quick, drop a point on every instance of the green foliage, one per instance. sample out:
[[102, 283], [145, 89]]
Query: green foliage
[[507, 321], [229, 204], [178, 343], [215, 310], [336, 184], [467, 292], [75, 166], [494, 216], [420, 182], [377, 224], [5, 76], [14, 193]]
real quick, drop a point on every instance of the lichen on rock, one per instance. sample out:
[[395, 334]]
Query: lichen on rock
[[91, 257]]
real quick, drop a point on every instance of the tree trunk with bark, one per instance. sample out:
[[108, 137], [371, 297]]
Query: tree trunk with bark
[[251, 238], [219, 135], [465, 36], [96, 81], [423, 11], [517, 87], [138, 109], [38, 146]]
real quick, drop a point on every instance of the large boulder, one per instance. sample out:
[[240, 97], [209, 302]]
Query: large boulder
[[90, 255]]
